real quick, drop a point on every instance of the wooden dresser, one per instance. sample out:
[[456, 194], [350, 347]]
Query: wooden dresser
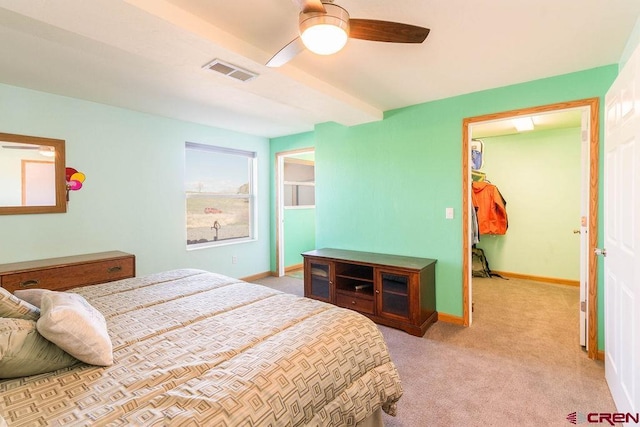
[[392, 290], [68, 272]]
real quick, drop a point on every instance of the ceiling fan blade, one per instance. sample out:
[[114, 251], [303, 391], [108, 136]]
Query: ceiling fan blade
[[310, 6], [386, 31], [21, 147], [287, 53]]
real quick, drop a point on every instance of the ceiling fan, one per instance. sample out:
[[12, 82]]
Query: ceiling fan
[[325, 28], [45, 150], [21, 147]]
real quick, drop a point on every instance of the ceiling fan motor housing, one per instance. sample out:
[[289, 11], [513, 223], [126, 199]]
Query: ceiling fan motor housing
[[335, 15]]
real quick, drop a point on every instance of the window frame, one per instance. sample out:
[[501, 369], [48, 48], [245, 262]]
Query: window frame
[[252, 195]]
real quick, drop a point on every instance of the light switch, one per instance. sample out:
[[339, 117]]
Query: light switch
[[448, 213]]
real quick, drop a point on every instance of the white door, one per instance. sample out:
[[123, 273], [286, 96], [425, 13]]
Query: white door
[[622, 237], [584, 221], [585, 145]]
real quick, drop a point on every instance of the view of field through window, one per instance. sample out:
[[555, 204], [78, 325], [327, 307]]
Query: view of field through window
[[219, 196]]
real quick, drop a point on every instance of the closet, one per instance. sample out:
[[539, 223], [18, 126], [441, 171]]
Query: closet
[[488, 209]]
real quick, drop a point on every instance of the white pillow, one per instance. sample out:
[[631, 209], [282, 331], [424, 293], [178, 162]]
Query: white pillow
[[32, 296], [23, 351], [70, 322], [13, 307]]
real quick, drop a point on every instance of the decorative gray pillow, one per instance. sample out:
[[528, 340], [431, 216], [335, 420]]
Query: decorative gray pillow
[[13, 307], [70, 322], [23, 351], [32, 296]]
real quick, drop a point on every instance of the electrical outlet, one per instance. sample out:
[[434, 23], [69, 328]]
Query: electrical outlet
[[448, 213], [234, 259]]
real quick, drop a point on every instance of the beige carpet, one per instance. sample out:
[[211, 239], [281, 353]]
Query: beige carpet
[[519, 364], [297, 274]]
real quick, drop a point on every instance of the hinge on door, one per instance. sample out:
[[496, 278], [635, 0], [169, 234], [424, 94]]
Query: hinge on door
[[583, 306], [600, 252]]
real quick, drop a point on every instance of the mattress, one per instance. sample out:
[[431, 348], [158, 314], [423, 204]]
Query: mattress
[[197, 348]]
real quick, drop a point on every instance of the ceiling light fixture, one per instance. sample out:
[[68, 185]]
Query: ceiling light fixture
[[523, 124], [325, 33]]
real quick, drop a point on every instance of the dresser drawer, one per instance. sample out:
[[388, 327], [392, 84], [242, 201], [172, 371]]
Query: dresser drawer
[[61, 277], [355, 303]]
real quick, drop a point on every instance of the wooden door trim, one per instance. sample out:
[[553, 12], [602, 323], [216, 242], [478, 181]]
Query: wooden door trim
[[278, 174], [594, 156]]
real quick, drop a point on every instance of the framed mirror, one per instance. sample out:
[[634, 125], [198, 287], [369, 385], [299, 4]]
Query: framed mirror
[[32, 175]]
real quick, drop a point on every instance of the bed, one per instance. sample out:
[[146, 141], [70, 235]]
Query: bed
[[196, 348]]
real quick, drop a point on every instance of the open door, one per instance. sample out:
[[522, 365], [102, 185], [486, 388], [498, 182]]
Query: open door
[[589, 217], [622, 237], [295, 207], [584, 230]]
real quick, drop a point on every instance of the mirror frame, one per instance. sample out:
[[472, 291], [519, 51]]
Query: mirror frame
[[61, 181]]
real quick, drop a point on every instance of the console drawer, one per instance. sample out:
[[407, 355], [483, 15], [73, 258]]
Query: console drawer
[[355, 303]]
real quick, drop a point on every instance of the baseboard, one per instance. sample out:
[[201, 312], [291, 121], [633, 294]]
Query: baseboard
[[600, 355], [294, 267], [257, 276], [554, 280], [442, 317], [448, 318]]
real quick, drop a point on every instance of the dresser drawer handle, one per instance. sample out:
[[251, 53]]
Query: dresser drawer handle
[[114, 269], [29, 283]]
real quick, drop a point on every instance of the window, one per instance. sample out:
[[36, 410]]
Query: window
[[220, 195]]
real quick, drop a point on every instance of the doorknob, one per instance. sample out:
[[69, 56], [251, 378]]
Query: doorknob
[[601, 252], [576, 231]]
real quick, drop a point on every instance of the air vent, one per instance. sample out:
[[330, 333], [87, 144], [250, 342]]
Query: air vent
[[230, 70]]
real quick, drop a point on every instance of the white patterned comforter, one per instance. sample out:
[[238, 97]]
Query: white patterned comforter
[[201, 349]]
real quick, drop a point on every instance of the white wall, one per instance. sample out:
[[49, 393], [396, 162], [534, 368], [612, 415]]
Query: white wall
[[11, 176], [632, 42], [132, 199]]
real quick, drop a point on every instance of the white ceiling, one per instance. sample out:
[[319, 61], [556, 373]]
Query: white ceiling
[[545, 121], [147, 55]]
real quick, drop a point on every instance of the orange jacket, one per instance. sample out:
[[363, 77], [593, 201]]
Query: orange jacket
[[491, 208]]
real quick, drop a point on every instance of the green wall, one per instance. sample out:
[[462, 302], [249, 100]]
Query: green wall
[[538, 174], [299, 234], [384, 186], [133, 196], [380, 187]]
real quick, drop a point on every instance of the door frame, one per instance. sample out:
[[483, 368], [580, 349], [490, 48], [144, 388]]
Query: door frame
[[592, 229], [279, 178]]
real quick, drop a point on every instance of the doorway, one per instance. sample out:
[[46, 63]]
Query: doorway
[[590, 137], [295, 207]]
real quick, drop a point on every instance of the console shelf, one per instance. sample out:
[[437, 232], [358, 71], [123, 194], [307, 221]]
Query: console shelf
[[392, 290]]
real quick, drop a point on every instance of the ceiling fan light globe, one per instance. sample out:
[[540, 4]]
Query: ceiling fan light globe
[[325, 33], [324, 39]]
